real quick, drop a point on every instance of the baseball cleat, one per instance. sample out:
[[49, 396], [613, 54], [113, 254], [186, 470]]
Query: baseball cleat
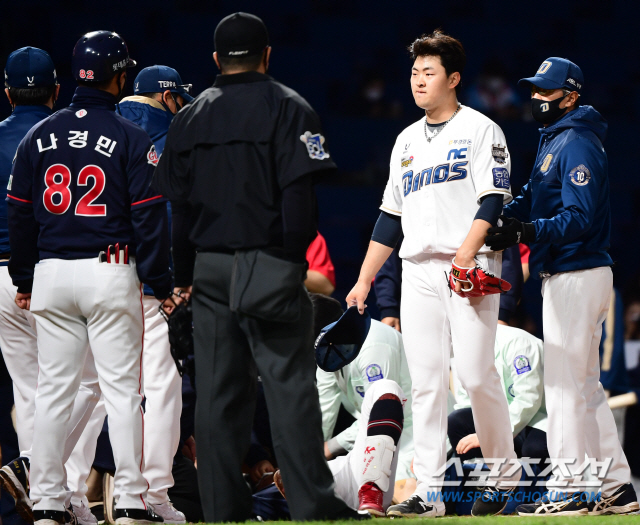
[[14, 477], [370, 499], [137, 517], [168, 513], [415, 507], [622, 501], [492, 502], [49, 517], [84, 516], [277, 480], [571, 506]]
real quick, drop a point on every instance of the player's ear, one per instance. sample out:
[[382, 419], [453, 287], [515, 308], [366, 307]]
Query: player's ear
[[454, 79], [215, 59], [6, 90], [267, 56]]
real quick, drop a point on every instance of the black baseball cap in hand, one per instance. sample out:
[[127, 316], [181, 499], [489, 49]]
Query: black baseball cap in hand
[[240, 34]]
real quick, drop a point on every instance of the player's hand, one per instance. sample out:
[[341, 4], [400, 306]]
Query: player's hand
[[511, 232], [467, 443], [465, 261], [393, 322], [327, 453], [260, 469], [23, 300], [181, 293], [358, 295], [189, 449]]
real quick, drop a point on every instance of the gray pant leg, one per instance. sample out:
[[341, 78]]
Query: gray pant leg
[[226, 389], [285, 359]]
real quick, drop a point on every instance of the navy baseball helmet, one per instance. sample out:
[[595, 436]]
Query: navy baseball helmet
[[339, 343], [99, 55]]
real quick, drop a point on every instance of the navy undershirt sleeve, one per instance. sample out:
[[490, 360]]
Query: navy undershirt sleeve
[[490, 208], [387, 230]]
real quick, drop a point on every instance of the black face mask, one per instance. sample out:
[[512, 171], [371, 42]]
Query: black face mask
[[546, 111]]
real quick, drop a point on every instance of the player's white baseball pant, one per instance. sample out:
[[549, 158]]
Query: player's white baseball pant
[[20, 352], [162, 387], [433, 320], [347, 470], [75, 303], [580, 421]]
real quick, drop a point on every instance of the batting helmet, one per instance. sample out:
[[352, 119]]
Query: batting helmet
[[99, 55], [339, 343]]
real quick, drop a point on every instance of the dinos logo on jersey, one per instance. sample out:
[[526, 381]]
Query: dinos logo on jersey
[[152, 156], [314, 143], [499, 153], [406, 162]]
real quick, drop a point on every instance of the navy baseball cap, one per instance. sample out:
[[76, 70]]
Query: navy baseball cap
[[339, 343], [557, 73], [240, 34], [29, 67], [157, 79]]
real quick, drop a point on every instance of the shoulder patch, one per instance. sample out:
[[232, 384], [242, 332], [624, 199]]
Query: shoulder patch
[[314, 143], [501, 178], [580, 175], [521, 364], [374, 372], [499, 153]]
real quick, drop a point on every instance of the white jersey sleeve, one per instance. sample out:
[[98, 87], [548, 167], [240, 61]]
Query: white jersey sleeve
[[329, 393], [491, 162], [392, 197]]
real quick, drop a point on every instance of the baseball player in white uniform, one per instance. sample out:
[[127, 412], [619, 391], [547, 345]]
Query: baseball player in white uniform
[[449, 176]]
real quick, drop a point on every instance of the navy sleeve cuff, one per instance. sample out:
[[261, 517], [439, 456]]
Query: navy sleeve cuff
[[388, 229], [490, 208], [389, 312]]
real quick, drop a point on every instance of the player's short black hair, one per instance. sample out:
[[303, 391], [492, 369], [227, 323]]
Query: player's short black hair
[[438, 44], [37, 96], [245, 63], [326, 310]]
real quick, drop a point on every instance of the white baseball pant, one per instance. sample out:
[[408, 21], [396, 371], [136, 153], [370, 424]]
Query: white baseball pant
[[575, 304], [347, 470], [76, 303], [433, 319], [163, 391]]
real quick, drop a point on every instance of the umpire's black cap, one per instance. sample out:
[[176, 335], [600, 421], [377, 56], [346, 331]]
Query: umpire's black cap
[[240, 34]]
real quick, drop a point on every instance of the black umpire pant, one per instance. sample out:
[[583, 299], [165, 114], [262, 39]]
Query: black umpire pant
[[230, 348]]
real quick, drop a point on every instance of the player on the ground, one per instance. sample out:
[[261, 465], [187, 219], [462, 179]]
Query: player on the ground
[[159, 95], [449, 176], [564, 215], [81, 205], [364, 477]]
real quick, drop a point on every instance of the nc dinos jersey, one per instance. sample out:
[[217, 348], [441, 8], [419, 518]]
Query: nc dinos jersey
[[436, 186]]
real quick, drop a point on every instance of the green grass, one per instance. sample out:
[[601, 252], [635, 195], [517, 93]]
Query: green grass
[[498, 520]]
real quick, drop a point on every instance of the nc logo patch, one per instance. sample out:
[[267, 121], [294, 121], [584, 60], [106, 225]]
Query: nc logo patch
[[580, 176], [374, 372], [314, 145], [521, 364], [501, 178]]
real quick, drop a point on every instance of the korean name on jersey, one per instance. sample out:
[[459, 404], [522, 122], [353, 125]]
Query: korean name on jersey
[[436, 187]]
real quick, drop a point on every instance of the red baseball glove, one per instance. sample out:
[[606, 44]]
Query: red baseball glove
[[475, 282]]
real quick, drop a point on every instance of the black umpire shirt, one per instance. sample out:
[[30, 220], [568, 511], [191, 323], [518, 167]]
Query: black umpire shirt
[[230, 156]]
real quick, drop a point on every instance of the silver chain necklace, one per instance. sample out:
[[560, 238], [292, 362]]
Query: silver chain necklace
[[429, 139]]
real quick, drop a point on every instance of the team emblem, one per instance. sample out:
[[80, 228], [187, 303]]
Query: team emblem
[[546, 163], [580, 176], [501, 178], [81, 113], [152, 156], [499, 153], [314, 145], [30, 81], [406, 162], [374, 372], [521, 364]]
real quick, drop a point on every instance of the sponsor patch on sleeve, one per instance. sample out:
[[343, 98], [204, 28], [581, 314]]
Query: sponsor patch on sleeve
[[521, 364], [501, 178], [374, 372], [580, 175]]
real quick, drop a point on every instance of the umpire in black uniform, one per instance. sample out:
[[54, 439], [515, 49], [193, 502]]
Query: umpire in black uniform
[[238, 167]]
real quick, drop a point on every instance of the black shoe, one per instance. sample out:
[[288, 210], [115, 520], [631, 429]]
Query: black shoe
[[622, 501], [415, 507], [569, 506], [492, 502], [141, 516], [14, 477], [49, 517]]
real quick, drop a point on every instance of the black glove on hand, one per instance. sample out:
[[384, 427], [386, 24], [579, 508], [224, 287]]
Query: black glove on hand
[[511, 232]]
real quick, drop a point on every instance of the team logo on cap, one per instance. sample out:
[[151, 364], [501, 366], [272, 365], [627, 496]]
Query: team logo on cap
[[30, 81], [314, 144], [580, 176], [544, 67]]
